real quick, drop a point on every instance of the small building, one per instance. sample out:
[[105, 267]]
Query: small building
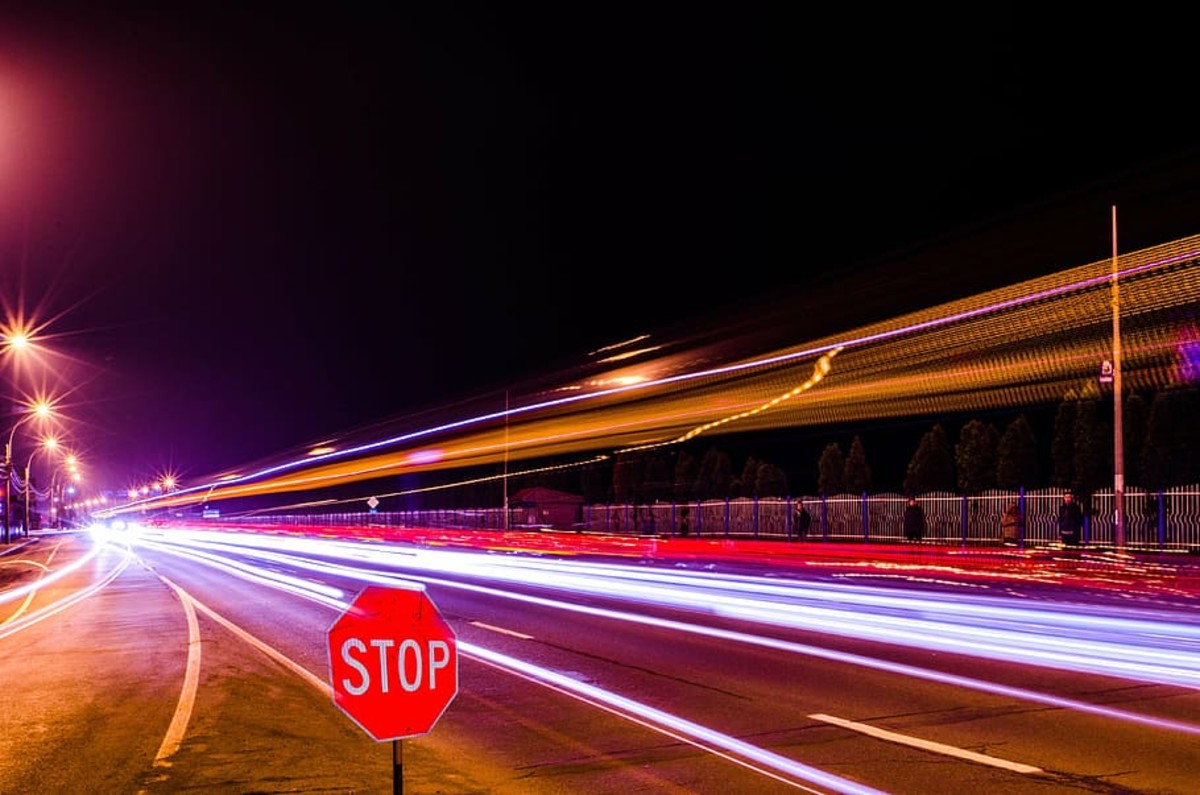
[[538, 506]]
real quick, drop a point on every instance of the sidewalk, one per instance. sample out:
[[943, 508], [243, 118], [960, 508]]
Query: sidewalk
[[14, 545]]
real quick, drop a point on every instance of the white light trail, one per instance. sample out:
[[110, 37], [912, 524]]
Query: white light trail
[[1174, 660]]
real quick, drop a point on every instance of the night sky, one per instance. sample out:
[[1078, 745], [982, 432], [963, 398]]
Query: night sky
[[247, 228]]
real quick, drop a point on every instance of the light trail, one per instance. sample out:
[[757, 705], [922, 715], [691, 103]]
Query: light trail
[[1156, 650], [74, 597], [1027, 344], [739, 752], [747, 755], [21, 591]]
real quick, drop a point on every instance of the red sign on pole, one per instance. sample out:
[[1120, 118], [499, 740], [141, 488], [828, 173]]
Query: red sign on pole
[[393, 663]]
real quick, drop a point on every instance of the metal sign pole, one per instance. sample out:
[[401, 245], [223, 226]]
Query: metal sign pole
[[397, 767]]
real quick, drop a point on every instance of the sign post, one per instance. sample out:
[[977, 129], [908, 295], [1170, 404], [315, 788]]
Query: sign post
[[393, 666]]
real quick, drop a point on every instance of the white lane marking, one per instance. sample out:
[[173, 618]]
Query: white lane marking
[[501, 630], [708, 740], [751, 757], [191, 683], [927, 745], [271, 652]]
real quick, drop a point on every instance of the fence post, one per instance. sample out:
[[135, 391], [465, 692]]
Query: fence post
[[965, 519], [787, 518], [866, 520], [1162, 522], [1024, 520], [727, 517], [755, 517], [824, 517]]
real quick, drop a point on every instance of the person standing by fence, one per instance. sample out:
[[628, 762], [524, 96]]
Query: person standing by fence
[[1070, 521], [803, 520], [914, 521]]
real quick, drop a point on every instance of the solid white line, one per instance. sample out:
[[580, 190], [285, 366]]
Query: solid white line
[[736, 751], [191, 683], [271, 652], [751, 757], [927, 745], [501, 630]]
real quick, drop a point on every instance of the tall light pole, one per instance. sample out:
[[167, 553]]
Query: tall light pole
[[50, 443], [1118, 432], [40, 410], [506, 460], [69, 466]]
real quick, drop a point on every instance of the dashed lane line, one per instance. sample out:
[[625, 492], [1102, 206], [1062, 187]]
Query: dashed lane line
[[927, 745]]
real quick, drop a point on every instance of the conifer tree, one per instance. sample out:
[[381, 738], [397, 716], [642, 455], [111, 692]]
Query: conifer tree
[[831, 470], [1017, 456], [932, 465], [975, 457], [858, 471]]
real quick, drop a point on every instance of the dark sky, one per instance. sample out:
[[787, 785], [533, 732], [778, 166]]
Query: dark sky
[[250, 225]]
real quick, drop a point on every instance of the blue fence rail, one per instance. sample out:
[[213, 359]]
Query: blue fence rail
[[1165, 520]]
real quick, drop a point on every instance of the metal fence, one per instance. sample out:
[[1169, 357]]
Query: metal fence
[[1164, 520]]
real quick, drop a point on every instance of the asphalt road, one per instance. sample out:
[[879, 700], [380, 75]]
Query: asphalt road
[[142, 669]]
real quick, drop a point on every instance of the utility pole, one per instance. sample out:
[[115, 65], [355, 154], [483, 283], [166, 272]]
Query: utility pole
[[506, 459], [1118, 431], [7, 467]]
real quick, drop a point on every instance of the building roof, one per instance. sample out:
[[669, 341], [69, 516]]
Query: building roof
[[542, 495]]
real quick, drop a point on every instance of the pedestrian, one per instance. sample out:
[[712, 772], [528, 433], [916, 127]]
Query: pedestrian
[[1070, 521], [1012, 525], [803, 520], [914, 521]]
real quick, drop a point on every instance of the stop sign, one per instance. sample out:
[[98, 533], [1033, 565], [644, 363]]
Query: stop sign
[[393, 663]]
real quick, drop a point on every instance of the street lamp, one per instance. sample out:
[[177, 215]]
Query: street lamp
[[69, 469], [1118, 429], [49, 443], [39, 410]]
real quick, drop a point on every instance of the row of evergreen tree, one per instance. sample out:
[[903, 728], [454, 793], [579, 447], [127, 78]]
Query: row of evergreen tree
[[1161, 449]]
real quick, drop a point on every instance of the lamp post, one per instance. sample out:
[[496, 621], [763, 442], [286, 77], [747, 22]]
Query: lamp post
[[39, 410], [1118, 430], [70, 469], [50, 443]]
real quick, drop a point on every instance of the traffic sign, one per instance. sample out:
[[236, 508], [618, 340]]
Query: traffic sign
[[393, 663], [372, 502]]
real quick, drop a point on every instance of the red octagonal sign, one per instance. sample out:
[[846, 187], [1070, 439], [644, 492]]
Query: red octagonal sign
[[393, 663]]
